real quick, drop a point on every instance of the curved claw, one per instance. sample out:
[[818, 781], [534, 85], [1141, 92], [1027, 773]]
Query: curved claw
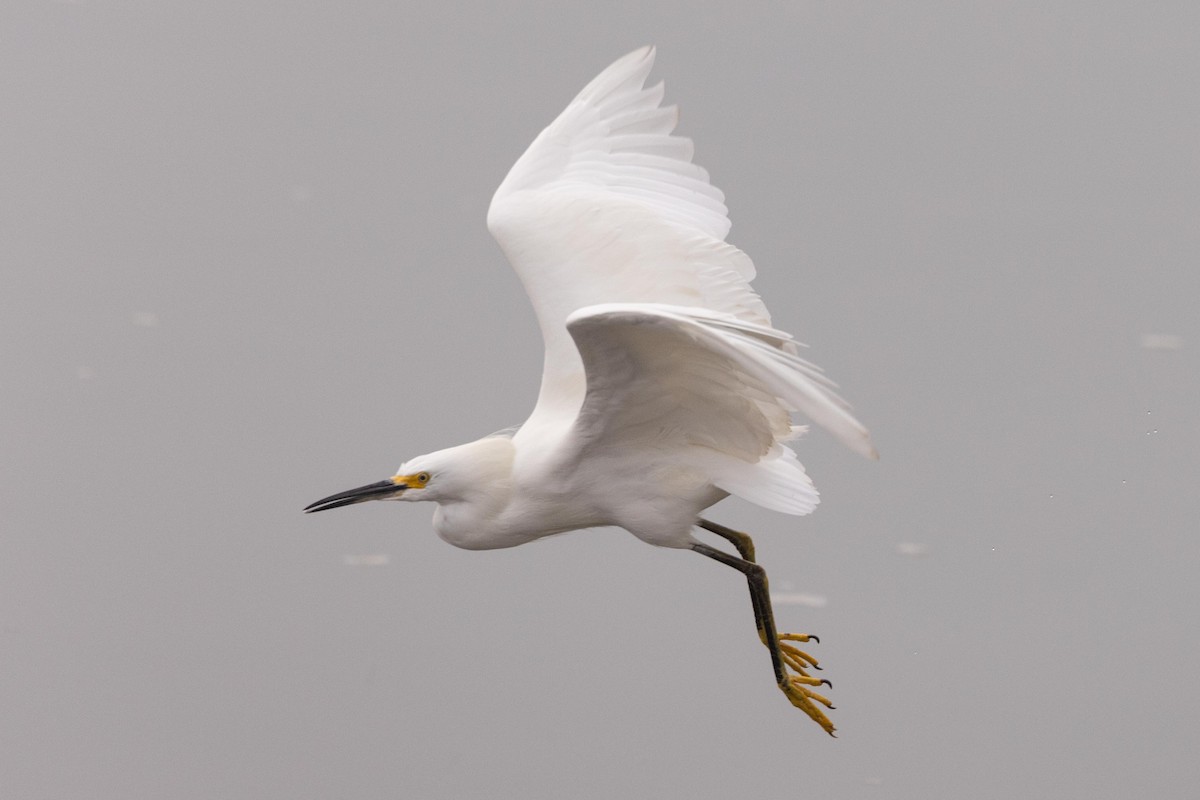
[[799, 637], [826, 682], [806, 680]]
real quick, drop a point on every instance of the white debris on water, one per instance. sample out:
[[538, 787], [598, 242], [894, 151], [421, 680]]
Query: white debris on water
[[1161, 341], [145, 319], [369, 560], [912, 548], [799, 599]]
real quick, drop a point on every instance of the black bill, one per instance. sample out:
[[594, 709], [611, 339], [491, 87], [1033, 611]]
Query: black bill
[[372, 491]]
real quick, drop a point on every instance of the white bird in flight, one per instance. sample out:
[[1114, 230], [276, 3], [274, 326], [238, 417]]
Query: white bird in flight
[[664, 388]]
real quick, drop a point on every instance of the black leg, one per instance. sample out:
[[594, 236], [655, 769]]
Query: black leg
[[745, 547], [743, 543], [760, 596], [783, 655]]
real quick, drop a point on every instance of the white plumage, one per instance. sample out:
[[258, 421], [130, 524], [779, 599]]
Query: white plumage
[[664, 386]]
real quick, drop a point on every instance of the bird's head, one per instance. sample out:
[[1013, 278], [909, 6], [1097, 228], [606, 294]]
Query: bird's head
[[454, 474]]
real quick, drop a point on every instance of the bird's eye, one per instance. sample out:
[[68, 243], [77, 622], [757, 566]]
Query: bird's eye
[[422, 478]]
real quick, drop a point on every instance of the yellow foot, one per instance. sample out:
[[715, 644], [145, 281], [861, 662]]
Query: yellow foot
[[796, 658], [796, 686], [807, 701]]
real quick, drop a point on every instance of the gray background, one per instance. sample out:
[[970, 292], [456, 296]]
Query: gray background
[[245, 266]]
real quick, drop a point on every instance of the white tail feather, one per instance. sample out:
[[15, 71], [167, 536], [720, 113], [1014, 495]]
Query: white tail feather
[[777, 481]]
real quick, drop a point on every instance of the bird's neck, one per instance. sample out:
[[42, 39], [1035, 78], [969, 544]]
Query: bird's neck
[[477, 524]]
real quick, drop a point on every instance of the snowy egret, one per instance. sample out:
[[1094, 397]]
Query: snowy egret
[[664, 387]]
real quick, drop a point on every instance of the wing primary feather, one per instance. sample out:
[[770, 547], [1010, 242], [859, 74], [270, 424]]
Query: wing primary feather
[[651, 120], [678, 147]]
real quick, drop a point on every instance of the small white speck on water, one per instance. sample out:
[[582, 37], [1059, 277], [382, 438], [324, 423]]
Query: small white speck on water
[[1161, 341], [912, 548], [145, 319], [799, 599], [1122, 481], [1051, 497], [370, 560]]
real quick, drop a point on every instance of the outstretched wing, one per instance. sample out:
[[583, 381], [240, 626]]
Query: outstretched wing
[[606, 206], [712, 388]]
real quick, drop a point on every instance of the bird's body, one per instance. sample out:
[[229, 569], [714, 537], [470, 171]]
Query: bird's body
[[534, 491], [664, 386]]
